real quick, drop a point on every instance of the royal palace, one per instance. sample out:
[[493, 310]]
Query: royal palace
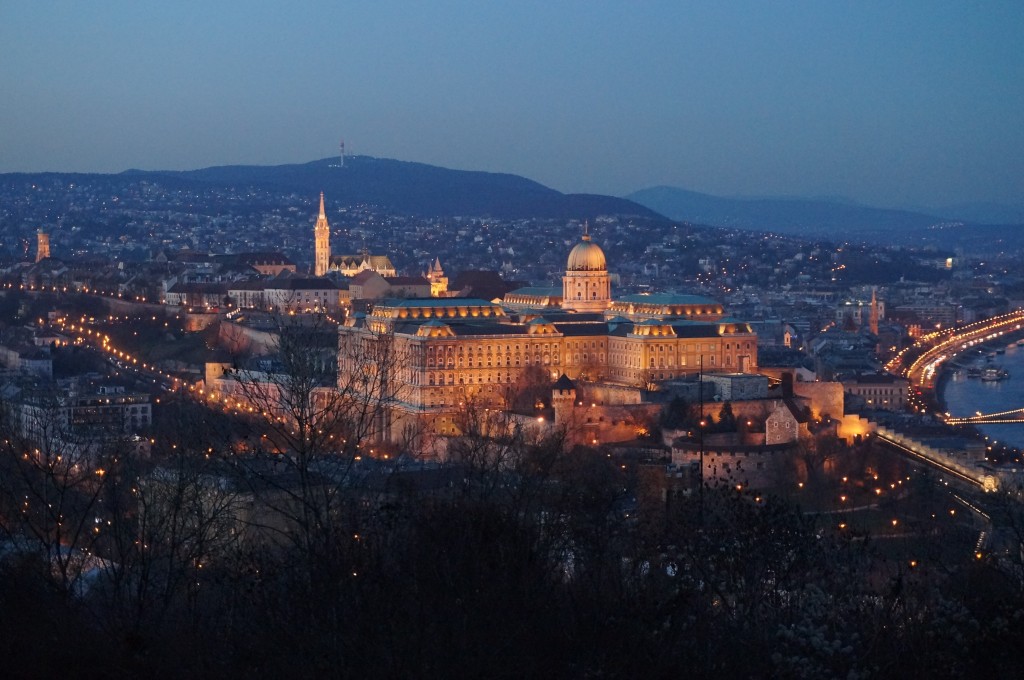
[[451, 352]]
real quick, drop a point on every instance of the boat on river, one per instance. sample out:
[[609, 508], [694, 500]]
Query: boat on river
[[993, 373]]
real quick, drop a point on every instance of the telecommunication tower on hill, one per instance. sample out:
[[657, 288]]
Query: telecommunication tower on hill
[[341, 156]]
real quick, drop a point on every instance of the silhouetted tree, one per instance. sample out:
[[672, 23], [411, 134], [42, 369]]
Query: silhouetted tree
[[726, 419]]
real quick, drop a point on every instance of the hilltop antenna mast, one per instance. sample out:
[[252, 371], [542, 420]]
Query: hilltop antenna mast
[[341, 156]]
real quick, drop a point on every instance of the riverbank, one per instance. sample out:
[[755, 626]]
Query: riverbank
[[947, 371], [963, 396]]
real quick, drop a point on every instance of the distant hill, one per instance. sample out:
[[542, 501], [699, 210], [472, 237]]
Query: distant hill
[[837, 220], [425, 190], [414, 188], [985, 213], [804, 217]]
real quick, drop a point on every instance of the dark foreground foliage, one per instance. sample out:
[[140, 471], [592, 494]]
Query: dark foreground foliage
[[552, 580]]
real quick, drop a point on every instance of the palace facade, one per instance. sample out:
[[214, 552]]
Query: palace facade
[[449, 352]]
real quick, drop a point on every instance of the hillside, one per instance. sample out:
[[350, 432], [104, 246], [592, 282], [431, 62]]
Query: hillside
[[415, 188], [804, 217]]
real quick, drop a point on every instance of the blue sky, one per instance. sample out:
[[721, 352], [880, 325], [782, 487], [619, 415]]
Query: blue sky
[[887, 103]]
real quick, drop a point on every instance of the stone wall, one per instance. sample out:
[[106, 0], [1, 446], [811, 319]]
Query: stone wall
[[824, 398]]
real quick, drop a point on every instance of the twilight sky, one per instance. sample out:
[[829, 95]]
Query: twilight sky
[[908, 103]]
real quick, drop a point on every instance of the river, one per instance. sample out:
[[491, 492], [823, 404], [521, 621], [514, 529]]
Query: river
[[965, 396]]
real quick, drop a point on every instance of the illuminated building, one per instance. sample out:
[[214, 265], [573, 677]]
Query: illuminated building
[[322, 235], [350, 265], [300, 294], [586, 286], [449, 352], [268, 264], [42, 245], [100, 411], [879, 390], [438, 281], [347, 265], [285, 294]]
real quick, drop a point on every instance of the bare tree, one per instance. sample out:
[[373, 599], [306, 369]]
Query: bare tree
[[491, 448], [531, 390], [52, 482], [646, 380], [169, 523], [816, 450], [318, 406]]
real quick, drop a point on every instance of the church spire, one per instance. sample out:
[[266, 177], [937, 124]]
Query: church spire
[[322, 238], [586, 230]]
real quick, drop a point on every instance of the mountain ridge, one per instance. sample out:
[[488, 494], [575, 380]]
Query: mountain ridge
[[417, 188], [789, 215], [403, 186]]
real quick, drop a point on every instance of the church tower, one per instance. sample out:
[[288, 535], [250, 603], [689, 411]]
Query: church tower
[[42, 245], [586, 286], [322, 234], [438, 281]]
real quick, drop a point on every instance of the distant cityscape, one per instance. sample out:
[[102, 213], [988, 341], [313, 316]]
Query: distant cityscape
[[203, 383]]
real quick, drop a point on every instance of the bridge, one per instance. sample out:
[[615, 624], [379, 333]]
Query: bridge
[[1012, 416], [921, 365]]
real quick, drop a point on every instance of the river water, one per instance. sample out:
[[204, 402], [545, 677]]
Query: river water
[[965, 396]]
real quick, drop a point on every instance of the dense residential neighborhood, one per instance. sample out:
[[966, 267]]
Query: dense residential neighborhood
[[285, 366]]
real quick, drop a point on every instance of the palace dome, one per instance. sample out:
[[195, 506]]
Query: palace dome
[[586, 256]]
